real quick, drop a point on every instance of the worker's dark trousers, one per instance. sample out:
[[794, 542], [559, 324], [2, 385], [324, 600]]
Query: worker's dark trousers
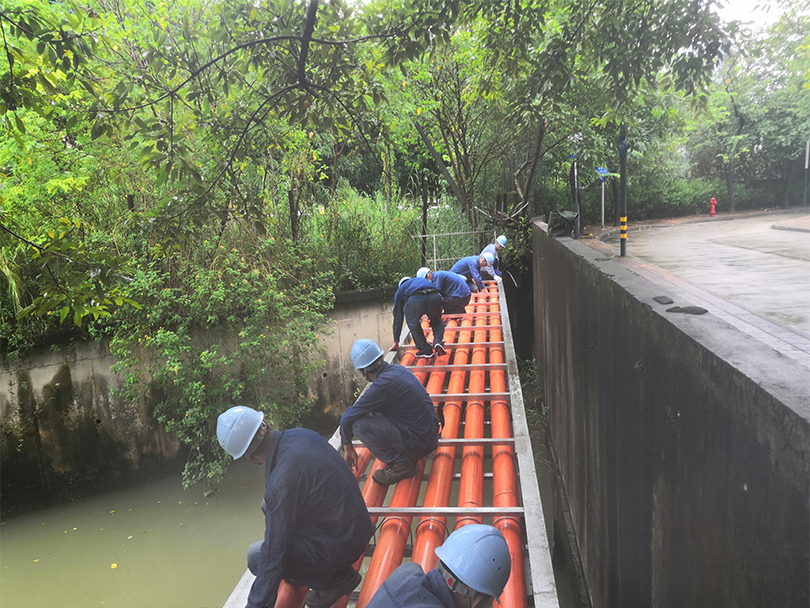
[[302, 567], [455, 304], [381, 436], [384, 439], [430, 305]]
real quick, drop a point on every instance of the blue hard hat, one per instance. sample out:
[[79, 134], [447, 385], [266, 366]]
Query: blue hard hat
[[488, 257], [479, 557], [501, 240], [364, 353], [423, 272], [236, 429]]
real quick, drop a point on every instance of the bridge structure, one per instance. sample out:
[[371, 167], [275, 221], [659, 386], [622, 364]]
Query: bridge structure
[[482, 471]]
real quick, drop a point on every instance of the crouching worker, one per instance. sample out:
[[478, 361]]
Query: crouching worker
[[473, 569], [395, 418], [453, 288], [493, 271], [316, 521], [470, 268]]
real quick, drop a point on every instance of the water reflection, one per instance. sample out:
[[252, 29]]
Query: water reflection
[[154, 546]]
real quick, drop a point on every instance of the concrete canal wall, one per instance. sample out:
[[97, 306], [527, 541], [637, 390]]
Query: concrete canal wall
[[682, 444], [64, 435]]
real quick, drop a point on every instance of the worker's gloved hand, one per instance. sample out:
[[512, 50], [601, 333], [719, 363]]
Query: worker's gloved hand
[[498, 279]]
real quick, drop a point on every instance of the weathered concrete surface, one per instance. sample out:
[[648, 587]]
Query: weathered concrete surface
[[741, 259], [357, 314], [64, 435], [683, 445], [796, 224]]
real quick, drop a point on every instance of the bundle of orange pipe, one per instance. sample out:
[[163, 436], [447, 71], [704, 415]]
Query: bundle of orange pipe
[[431, 531], [504, 472]]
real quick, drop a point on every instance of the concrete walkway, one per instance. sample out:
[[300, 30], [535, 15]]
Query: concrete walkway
[[745, 272], [796, 224]]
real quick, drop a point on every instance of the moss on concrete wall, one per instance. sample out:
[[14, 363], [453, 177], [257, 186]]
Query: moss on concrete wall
[[65, 435]]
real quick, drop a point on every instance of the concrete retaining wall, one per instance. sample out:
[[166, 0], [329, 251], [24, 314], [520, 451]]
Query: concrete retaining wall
[[63, 435], [683, 445]]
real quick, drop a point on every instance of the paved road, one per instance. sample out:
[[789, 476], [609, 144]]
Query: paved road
[[752, 271]]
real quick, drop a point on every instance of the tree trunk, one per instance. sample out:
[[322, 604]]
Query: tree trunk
[[525, 190], [424, 222], [293, 200], [440, 163], [388, 171], [732, 205], [786, 201]]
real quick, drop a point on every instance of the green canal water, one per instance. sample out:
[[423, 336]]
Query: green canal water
[[154, 546]]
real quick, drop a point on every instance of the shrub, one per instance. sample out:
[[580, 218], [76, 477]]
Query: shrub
[[234, 321]]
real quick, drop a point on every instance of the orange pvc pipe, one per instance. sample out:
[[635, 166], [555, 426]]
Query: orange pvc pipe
[[290, 596], [389, 536], [431, 531], [393, 537], [504, 475], [471, 489], [374, 496]]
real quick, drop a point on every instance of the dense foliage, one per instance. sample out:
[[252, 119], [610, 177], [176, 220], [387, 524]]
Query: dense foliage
[[194, 180]]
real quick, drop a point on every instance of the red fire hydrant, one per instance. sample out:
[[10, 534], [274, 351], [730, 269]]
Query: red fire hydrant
[[713, 203]]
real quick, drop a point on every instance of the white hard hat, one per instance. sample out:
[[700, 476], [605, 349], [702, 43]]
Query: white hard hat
[[365, 352], [488, 257], [236, 429], [423, 272], [402, 280], [476, 555]]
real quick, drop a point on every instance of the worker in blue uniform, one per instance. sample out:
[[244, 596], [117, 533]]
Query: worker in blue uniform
[[453, 288], [473, 569], [414, 298], [470, 267], [394, 418], [493, 271], [316, 521]]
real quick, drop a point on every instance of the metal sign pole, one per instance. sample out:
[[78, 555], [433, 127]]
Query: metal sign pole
[[602, 171], [623, 193], [806, 169]]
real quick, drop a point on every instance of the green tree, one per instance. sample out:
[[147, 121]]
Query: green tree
[[759, 112]]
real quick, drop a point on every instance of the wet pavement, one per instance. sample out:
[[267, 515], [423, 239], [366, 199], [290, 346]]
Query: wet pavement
[[752, 270]]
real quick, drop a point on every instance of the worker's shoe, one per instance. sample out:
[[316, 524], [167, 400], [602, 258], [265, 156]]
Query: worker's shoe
[[425, 353], [343, 583], [393, 473], [439, 349]]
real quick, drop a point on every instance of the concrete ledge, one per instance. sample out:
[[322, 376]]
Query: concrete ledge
[[347, 297], [799, 224], [683, 445]]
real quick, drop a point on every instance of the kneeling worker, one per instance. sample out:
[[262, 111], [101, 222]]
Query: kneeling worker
[[453, 287], [395, 418], [414, 298], [316, 521], [474, 566]]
